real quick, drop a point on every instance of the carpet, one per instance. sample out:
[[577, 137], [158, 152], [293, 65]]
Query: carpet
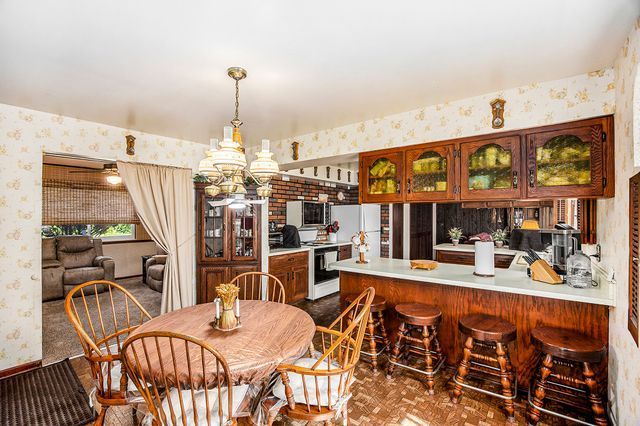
[[59, 339], [51, 395]]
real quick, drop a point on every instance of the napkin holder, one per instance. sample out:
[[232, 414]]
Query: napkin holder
[[543, 272]]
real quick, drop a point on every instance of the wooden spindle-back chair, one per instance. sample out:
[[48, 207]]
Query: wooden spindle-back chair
[[326, 379], [250, 284], [183, 380], [102, 329]]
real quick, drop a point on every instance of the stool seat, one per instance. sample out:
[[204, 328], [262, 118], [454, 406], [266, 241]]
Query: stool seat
[[568, 344], [487, 328], [418, 314], [379, 303]]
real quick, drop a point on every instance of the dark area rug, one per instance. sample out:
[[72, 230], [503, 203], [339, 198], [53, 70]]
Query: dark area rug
[[51, 395]]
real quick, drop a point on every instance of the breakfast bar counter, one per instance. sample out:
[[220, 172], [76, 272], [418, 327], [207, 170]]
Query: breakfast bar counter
[[510, 294]]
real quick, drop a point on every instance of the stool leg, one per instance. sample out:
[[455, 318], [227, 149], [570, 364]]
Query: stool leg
[[396, 349], [533, 414], [594, 396], [434, 340], [372, 343], [506, 379], [383, 331], [426, 340], [463, 370]]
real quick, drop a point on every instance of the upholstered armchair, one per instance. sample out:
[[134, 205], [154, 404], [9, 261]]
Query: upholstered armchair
[[155, 271]]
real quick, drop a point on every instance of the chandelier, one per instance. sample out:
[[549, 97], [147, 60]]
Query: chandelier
[[225, 165]]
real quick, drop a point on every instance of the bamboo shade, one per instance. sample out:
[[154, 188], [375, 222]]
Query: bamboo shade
[[83, 198]]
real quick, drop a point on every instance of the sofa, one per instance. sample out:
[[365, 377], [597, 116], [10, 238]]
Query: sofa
[[155, 271], [71, 260]]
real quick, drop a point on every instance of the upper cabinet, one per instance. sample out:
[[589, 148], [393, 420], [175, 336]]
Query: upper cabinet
[[490, 169], [431, 173], [382, 177], [570, 160]]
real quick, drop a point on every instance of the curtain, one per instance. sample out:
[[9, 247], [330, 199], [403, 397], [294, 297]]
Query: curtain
[[164, 200]]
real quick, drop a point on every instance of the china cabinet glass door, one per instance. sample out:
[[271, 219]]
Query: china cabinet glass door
[[215, 241], [431, 173], [382, 177], [243, 233], [490, 169]]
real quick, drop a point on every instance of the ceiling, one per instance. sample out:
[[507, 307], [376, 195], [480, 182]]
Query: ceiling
[[159, 66]]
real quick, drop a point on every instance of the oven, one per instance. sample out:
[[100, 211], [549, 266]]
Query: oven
[[322, 257]]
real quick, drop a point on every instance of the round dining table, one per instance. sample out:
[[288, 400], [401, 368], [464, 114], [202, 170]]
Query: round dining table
[[271, 334]]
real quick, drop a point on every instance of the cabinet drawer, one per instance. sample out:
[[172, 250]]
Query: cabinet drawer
[[288, 260], [469, 258], [345, 252]]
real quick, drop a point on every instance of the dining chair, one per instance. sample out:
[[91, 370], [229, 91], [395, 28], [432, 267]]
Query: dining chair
[[318, 388], [250, 284], [183, 380], [103, 321]]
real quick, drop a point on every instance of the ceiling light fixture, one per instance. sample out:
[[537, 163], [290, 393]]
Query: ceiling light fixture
[[114, 179], [226, 164]]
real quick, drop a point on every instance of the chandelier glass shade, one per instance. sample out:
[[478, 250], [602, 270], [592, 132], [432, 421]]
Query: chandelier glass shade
[[225, 165]]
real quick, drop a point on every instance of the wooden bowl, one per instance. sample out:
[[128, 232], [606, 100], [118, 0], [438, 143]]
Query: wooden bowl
[[429, 265]]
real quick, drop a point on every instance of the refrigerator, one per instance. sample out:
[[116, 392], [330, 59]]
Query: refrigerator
[[354, 218]]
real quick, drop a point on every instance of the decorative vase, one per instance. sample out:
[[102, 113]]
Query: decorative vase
[[455, 242], [333, 237], [499, 244]]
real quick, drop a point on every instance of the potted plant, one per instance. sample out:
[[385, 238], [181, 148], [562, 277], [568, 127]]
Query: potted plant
[[499, 237], [332, 228], [455, 234]]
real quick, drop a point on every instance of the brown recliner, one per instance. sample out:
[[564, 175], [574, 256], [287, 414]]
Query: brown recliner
[[78, 259], [155, 271]]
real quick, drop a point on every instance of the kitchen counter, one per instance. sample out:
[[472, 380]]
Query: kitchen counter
[[511, 280], [280, 251], [470, 248]]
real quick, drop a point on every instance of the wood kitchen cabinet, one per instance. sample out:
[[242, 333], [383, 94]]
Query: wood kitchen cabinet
[[292, 269], [469, 258], [571, 160], [345, 252], [490, 169], [382, 176], [431, 173], [212, 276]]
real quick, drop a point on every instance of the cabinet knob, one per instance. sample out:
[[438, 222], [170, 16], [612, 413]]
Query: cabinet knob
[[515, 179], [532, 178]]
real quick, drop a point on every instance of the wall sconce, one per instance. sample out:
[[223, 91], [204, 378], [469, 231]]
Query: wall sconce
[[497, 110], [131, 144]]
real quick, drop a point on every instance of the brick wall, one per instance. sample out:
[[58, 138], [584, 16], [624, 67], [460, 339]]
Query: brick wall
[[295, 187], [384, 236]]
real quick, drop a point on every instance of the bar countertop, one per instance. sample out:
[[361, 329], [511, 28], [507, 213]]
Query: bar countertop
[[511, 280]]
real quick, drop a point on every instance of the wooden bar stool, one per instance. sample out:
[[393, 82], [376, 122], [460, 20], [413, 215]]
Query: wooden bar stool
[[423, 319], [566, 374], [486, 356], [375, 334]]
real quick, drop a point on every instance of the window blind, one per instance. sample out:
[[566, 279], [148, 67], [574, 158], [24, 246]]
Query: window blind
[[70, 198]]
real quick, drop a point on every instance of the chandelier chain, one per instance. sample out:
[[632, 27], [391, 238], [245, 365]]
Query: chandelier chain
[[237, 98]]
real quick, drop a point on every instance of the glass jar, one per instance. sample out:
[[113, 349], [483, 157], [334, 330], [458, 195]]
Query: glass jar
[[579, 270]]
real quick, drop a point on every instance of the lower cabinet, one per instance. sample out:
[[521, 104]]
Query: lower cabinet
[[212, 276], [293, 270], [346, 252], [469, 258]]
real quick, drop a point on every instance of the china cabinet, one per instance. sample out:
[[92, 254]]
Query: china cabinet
[[431, 173], [382, 177], [228, 243], [490, 169]]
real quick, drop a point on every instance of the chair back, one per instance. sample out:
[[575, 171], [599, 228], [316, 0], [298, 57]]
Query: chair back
[[103, 321], [340, 343], [183, 380], [250, 284]]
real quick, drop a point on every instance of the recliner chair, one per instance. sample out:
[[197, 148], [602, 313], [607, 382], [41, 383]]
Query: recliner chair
[[155, 271]]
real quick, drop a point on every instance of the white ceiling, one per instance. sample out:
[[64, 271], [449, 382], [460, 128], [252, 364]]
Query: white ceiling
[[160, 66]]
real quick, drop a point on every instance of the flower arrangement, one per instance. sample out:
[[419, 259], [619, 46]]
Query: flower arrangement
[[455, 234], [332, 228], [499, 236]]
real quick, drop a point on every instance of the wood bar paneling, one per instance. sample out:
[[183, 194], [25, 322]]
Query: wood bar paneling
[[525, 312]]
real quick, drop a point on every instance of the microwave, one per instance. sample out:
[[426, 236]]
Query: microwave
[[308, 213]]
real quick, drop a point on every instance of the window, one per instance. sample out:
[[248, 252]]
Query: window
[[112, 232], [634, 257]]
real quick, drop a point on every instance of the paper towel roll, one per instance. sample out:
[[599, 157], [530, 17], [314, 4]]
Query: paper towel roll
[[484, 259]]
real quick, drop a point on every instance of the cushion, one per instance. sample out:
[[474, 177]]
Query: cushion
[[48, 249], [156, 272], [238, 395], [50, 263], [80, 259], [295, 381], [82, 275]]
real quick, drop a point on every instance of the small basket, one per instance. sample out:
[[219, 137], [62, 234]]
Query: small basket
[[428, 265]]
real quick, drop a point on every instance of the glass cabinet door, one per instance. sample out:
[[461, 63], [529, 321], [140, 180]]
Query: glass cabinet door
[[214, 247], [566, 162], [431, 173], [382, 177], [490, 169], [243, 233]]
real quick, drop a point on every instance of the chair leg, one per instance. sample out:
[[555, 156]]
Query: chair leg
[[426, 341], [396, 349], [101, 416], [506, 379], [594, 396], [463, 370], [372, 343], [533, 414], [345, 415], [434, 340], [383, 331]]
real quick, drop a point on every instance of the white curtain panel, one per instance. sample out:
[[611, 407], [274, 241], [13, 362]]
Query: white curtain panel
[[164, 200]]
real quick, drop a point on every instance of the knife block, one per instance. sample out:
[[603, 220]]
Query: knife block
[[543, 272]]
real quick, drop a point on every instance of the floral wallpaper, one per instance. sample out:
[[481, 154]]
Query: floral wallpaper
[[585, 95], [24, 136], [613, 226]]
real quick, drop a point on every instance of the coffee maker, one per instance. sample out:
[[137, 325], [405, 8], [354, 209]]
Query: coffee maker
[[564, 241]]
